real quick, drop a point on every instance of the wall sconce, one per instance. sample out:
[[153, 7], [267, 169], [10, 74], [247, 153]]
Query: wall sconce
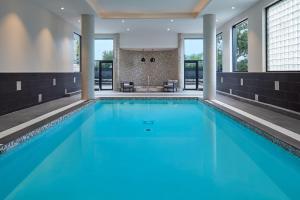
[[152, 60]]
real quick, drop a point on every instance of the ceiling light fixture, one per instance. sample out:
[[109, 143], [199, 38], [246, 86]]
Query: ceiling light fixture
[[123, 21], [62, 8], [168, 29], [127, 29], [232, 7], [172, 20]]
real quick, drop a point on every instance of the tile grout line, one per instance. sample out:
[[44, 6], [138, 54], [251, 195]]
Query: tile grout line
[[259, 120], [36, 120]]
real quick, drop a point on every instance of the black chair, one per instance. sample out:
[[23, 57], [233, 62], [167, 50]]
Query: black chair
[[170, 86], [127, 86]]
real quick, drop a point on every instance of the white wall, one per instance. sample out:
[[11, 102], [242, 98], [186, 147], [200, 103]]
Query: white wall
[[256, 43], [32, 39], [132, 40]]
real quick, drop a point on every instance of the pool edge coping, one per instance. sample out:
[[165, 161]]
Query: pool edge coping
[[24, 134], [282, 140]]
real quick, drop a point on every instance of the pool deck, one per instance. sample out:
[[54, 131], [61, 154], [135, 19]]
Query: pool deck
[[265, 119]]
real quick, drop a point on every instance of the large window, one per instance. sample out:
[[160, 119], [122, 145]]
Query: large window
[[76, 52], [240, 47], [104, 64], [220, 52], [193, 64], [283, 36], [104, 49]]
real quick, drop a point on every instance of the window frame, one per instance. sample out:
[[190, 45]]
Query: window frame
[[80, 51], [221, 33], [267, 40], [232, 45]]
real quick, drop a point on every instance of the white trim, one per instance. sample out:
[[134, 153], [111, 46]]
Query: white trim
[[275, 127], [99, 36], [38, 119], [192, 36]]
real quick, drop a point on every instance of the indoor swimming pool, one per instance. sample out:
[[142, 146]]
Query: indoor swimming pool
[[149, 150]]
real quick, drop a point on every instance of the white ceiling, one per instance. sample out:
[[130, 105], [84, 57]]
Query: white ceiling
[[73, 9], [128, 6]]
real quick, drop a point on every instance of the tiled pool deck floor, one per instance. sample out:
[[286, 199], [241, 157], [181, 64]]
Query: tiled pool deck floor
[[20, 117]]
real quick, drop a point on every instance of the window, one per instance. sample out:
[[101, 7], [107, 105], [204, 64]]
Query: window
[[77, 52], [240, 47], [193, 49], [220, 52], [104, 56], [283, 36], [193, 64], [104, 49]]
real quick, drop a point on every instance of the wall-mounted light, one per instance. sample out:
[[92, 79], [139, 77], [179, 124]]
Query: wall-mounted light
[[152, 60], [143, 60]]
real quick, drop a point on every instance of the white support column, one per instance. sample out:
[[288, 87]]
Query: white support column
[[181, 61], [209, 72], [88, 57], [116, 70]]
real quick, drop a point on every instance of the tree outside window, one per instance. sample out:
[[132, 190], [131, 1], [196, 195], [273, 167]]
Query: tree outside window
[[76, 52], [219, 52], [240, 47]]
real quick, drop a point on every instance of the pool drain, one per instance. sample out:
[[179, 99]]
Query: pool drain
[[148, 130]]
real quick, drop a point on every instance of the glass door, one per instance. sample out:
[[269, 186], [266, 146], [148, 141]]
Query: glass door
[[191, 74], [106, 75]]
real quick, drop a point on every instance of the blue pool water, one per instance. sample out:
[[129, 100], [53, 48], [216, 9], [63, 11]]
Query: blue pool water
[[149, 150]]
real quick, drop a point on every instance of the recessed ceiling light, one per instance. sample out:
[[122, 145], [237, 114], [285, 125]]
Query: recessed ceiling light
[[217, 20], [232, 7], [123, 21], [127, 29], [62, 8], [172, 20], [168, 29], [79, 21]]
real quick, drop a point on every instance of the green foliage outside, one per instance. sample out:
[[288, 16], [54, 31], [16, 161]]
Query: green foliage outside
[[108, 55], [219, 53], [196, 57], [242, 47], [193, 57], [76, 49]]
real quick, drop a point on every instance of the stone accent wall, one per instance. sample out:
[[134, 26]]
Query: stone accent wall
[[165, 67]]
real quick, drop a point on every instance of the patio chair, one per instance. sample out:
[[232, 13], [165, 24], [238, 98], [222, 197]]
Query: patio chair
[[127, 86], [170, 86]]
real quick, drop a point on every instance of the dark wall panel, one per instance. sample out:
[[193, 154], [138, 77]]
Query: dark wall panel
[[262, 85], [33, 85]]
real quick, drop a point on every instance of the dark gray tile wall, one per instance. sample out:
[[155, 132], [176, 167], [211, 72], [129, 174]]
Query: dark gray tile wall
[[279, 89], [35, 88]]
